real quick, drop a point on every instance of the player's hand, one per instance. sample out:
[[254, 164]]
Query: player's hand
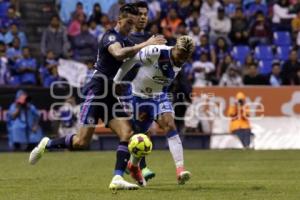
[[156, 40]]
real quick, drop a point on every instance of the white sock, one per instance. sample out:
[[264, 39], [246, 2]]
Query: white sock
[[134, 160], [175, 147]]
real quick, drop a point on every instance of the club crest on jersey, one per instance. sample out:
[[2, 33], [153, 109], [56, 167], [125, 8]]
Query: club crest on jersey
[[112, 38]]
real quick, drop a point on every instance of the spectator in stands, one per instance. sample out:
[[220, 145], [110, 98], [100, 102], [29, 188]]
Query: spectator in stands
[[79, 11], [248, 62], [184, 8], [260, 31], [85, 44], [2, 32], [223, 65], [166, 6], [290, 67], [253, 77], [232, 77], [255, 7], [106, 24], [239, 123], [296, 25], [281, 17], [11, 18], [204, 47], [221, 49], [4, 73], [14, 32], [201, 71], [275, 77], [154, 11], [194, 21], [220, 26], [196, 33], [69, 115], [95, 29], [197, 4], [25, 69], [97, 14], [296, 80], [154, 29], [23, 122], [181, 30], [239, 31], [209, 8], [55, 39], [113, 11], [75, 26], [48, 72], [14, 52], [170, 24]]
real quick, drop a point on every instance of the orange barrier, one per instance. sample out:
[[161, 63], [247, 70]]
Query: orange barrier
[[276, 101]]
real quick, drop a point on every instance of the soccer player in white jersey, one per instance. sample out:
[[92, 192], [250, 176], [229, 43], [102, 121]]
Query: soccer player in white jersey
[[159, 66]]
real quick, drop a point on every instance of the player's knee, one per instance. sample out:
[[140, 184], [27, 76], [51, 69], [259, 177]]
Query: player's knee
[[168, 127], [80, 144]]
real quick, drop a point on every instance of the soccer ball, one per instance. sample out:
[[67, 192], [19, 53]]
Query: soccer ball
[[140, 145]]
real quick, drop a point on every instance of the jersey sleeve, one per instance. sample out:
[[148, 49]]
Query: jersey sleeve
[[109, 39], [146, 56]]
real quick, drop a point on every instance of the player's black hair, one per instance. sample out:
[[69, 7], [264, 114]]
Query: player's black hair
[[141, 4], [128, 8]]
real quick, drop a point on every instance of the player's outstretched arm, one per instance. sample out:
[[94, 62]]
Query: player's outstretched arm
[[121, 53], [146, 56]]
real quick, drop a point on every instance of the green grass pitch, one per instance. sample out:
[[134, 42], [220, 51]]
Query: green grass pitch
[[217, 175]]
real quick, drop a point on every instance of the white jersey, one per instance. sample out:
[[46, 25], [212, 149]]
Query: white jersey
[[155, 74]]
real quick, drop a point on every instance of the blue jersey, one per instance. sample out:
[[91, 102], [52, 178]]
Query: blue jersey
[[138, 38], [106, 63]]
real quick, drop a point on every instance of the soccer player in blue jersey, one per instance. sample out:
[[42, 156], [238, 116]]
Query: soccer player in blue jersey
[[159, 65], [100, 100]]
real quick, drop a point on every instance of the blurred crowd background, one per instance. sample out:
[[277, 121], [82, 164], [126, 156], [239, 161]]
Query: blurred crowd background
[[249, 42]]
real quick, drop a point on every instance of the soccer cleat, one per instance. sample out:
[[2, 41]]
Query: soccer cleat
[[147, 173], [37, 153], [182, 175], [136, 174], [118, 183]]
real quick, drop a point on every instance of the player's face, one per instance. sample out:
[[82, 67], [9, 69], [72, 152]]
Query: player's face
[[127, 23], [180, 57], [142, 18]]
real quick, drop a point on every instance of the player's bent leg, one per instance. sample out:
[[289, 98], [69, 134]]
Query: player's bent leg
[[166, 122], [83, 138], [71, 141], [123, 129]]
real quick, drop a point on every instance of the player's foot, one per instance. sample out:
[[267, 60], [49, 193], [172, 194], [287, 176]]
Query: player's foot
[[136, 174], [182, 175], [147, 173], [37, 153], [118, 183]]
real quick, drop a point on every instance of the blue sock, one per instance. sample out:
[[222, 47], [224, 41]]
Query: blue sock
[[61, 143], [123, 156], [172, 133]]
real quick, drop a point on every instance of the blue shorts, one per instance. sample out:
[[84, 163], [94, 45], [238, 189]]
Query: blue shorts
[[146, 110], [100, 104]]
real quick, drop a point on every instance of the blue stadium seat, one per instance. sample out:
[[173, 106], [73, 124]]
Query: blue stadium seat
[[3, 8], [282, 38], [265, 66], [240, 53], [263, 52], [283, 52]]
